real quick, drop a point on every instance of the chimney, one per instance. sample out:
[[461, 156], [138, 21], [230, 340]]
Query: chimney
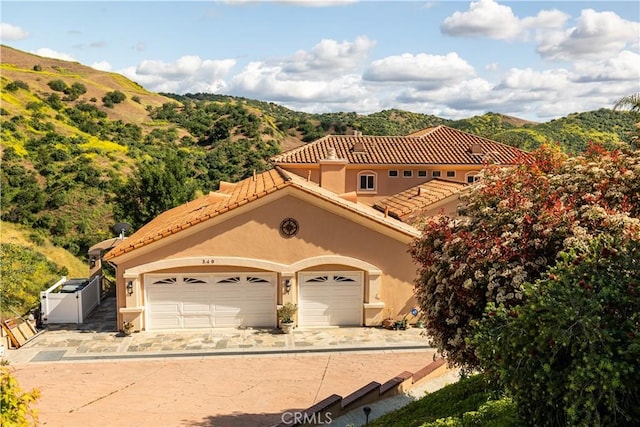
[[476, 149], [333, 172], [358, 147]]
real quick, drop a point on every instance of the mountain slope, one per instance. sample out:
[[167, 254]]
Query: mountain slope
[[74, 137], [38, 71]]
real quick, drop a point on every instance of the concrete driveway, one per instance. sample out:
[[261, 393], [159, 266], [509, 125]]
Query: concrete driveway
[[91, 375], [203, 391]]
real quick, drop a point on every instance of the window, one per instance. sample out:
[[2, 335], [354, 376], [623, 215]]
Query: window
[[393, 173], [422, 174], [451, 174], [367, 182], [436, 174], [472, 178], [407, 174]]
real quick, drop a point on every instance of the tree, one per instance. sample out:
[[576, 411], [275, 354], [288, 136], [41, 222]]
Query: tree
[[631, 102], [75, 90], [569, 354], [111, 98], [58, 85], [155, 187], [511, 229]]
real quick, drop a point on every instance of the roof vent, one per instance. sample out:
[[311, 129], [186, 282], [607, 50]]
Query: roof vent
[[358, 147], [476, 149], [357, 133]]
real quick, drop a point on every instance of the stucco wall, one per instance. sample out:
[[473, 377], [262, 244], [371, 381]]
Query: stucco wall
[[385, 185], [255, 234]]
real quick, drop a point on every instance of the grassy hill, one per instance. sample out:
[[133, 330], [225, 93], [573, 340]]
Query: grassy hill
[[38, 71], [30, 264], [29, 239], [76, 140]]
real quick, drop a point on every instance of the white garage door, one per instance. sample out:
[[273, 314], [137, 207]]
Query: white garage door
[[210, 301], [330, 299]]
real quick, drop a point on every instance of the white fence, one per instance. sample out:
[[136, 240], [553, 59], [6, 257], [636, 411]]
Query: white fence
[[57, 307]]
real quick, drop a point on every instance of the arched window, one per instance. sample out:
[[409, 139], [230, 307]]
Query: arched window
[[367, 181], [472, 177]]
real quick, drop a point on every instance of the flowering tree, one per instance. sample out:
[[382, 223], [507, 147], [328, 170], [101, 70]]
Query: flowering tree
[[568, 355], [510, 231]]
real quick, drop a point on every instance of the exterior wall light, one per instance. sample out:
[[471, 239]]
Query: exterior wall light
[[130, 287], [287, 285]]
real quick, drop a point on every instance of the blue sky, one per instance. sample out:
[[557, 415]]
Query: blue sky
[[454, 59]]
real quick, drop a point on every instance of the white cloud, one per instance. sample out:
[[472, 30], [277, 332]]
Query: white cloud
[[623, 67], [328, 57], [325, 77], [492, 66], [596, 35], [429, 70], [50, 53], [484, 18], [262, 81], [102, 66], [530, 80], [186, 74], [487, 18], [11, 32]]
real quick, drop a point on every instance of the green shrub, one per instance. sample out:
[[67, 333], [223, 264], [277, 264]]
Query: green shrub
[[569, 354], [74, 91], [55, 101], [114, 97], [453, 400], [511, 228], [57, 85], [15, 85]]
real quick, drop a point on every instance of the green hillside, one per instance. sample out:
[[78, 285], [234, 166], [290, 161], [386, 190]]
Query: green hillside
[[30, 264]]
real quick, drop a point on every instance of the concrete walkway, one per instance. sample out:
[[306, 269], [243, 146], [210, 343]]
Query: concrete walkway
[[98, 339]]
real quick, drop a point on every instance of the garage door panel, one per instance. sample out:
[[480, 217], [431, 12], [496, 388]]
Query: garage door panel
[[193, 321], [165, 321], [195, 308], [166, 308], [330, 299], [228, 301]]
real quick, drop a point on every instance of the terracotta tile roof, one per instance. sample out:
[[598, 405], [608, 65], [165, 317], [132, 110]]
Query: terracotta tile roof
[[231, 196], [204, 208], [436, 145], [410, 203]]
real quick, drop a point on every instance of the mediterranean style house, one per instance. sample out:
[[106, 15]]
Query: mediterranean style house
[[327, 228]]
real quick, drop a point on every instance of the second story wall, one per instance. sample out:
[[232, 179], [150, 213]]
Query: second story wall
[[385, 180]]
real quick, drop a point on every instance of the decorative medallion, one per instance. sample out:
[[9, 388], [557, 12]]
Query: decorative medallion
[[289, 227]]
